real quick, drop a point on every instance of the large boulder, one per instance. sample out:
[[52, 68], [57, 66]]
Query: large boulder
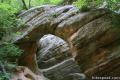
[[52, 50]]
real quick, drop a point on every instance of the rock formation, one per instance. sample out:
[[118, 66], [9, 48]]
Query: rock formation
[[62, 70], [52, 50], [92, 37], [23, 73]]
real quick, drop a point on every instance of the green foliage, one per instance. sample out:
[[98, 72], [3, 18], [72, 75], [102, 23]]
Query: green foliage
[[81, 3], [9, 50], [56, 1], [115, 20], [42, 2], [54, 15], [8, 20], [110, 4], [19, 5], [14, 3], [8, 55], [6, 16], [4, 76], [8, 8]]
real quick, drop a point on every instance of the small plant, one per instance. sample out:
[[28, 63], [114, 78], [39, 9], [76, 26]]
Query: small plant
[[83, 5], [54, 15]]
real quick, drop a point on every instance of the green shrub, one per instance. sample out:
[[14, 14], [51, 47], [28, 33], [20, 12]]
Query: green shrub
[[8, 20], [81, 3], [9, 54], [110, 4], [42, 2], [56, 1], [9, 50], [4, 76]]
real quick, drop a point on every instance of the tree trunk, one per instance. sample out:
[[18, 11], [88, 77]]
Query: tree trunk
[[24, 4], [29, 4]]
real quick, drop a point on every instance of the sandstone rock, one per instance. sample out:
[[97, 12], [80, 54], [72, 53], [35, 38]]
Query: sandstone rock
[[92, 46], [38, 24], [75, 76], [61, 70], [92, 38], [69, 26], [28, 58], [52, 50], [23, 73], [61, 21], [107, 61], [89, 33]]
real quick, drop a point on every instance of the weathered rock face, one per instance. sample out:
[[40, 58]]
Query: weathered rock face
[[62, 70], [29, 57], [93, 40], [60, 21], [75, 76], [95, 47], [23, 73], [52, 50]]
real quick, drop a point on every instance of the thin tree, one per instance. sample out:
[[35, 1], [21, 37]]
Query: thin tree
[[24, 4], [29, 4]]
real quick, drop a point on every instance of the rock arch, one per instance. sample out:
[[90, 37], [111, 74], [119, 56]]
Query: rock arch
[[82, 30]]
